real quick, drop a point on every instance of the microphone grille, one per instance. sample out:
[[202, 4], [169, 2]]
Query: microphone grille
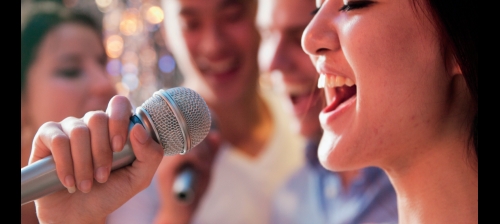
[[177, 112]]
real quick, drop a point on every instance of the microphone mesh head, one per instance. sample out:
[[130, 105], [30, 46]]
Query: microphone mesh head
[[194, 112]]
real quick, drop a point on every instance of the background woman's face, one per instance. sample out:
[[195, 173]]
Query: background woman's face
[[400, 96], [68, 76]]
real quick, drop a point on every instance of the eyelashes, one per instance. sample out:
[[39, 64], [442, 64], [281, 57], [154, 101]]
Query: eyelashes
[[349, 6], [355, 5]]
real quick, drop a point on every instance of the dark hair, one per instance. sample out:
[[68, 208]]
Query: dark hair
[[456, 20], [39, 23]]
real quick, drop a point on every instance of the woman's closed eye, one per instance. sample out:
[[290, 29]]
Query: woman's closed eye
[[351, 5]]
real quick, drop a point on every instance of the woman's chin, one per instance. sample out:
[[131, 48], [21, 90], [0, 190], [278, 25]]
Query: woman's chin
[[333, 155], [326, 150]]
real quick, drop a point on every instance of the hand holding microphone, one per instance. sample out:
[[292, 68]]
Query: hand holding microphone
[[173, 122]]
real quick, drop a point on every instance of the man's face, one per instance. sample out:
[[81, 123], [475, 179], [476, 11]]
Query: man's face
[[281, 24], [215, 43]]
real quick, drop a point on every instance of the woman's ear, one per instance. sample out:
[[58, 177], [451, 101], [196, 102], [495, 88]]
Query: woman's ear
[[451, 64]]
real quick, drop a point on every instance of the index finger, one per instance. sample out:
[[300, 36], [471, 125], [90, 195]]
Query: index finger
[[119, 111]]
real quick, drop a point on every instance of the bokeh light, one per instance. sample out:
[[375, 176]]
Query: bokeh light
[[114, 67], [148, 56], [154, 15], [130, 23], [114, 46], [166, 63], [130, 81]]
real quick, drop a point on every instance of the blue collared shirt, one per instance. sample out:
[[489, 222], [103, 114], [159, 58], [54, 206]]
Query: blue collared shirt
[[314, 195]]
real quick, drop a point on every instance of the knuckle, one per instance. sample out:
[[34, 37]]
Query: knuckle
[[69, 120], [79, 130], [59, 140], [97, 117]]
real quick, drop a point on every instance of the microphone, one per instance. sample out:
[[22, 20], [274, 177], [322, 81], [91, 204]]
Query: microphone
[[183, 186], [177, 118]]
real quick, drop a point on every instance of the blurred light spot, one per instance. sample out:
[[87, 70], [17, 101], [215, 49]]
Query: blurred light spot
[[129, 69], [111, 20], [148, 78], [114, 46], [166, 63], [130, 81], [130, 23], [154, 15], [130, 57], [121, 89], [113, 67], [148, 56]]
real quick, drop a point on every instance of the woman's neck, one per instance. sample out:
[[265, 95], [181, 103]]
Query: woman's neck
[[440, 186]]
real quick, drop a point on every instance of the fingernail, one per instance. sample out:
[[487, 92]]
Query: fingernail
[[85, 186], [70, 184], [117, 143], [101, 174], [141, 136]]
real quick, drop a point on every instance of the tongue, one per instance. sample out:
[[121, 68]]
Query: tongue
[[345, 92]]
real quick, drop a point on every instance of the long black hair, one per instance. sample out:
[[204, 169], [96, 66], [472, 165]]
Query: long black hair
[[456, 22]]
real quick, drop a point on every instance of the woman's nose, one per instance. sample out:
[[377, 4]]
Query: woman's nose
[[321, 34]]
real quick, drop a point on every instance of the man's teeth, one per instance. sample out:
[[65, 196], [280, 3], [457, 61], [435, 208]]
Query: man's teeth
[[332, 81]]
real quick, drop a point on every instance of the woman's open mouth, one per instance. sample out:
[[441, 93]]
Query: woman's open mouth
[[339, 90]]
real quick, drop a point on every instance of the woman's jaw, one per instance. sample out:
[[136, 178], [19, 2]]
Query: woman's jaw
[[337, 116]]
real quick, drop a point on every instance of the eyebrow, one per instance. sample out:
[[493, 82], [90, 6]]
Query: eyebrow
[[69, 57], [227, 3], [189, 11]]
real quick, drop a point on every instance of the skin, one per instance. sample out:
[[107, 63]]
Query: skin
[[216, 44], [82, 146], [68, 70], [407, 114], [281, 24]]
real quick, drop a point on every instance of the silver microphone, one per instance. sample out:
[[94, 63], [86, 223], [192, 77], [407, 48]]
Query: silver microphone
[[183, 185], [177, 118]]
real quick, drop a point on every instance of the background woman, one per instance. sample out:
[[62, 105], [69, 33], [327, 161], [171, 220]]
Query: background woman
[[62, 72]]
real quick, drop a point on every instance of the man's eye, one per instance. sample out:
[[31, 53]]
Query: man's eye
[[355, 5]]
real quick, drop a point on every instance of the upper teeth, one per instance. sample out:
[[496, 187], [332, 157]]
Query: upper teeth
[[332, 81]]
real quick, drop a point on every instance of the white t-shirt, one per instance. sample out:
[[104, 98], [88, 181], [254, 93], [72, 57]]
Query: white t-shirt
[[241, 189], [140, 209]]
